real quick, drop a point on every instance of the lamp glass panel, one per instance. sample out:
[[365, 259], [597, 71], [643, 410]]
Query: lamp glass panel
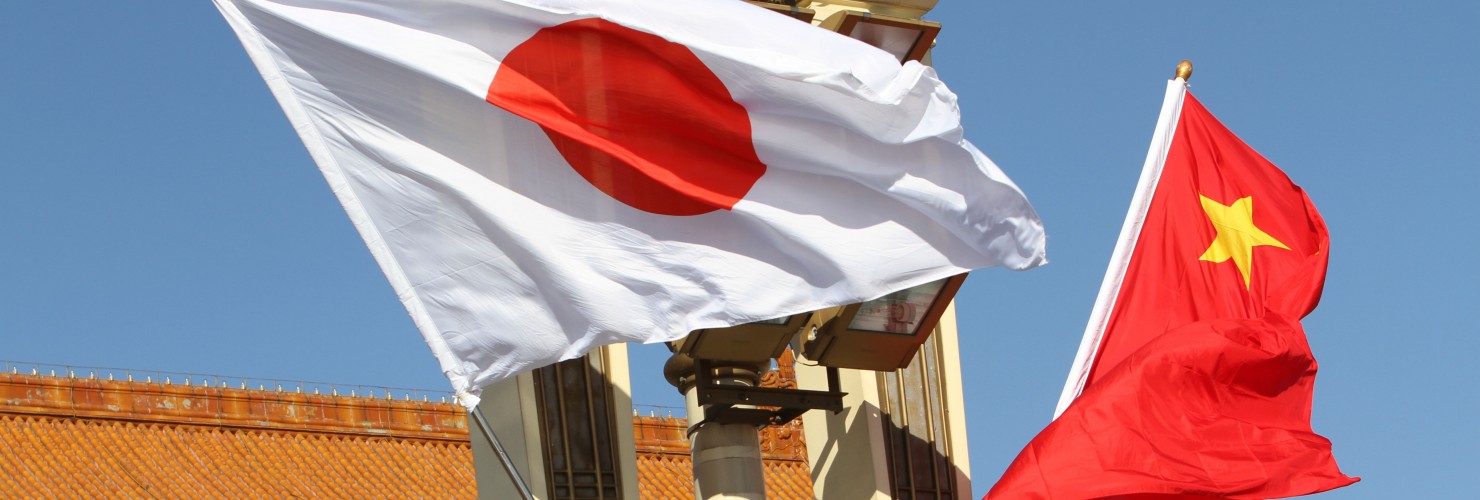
[[899, 312], [774, 321], [893, 39]]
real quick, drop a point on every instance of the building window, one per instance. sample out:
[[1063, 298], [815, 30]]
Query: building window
[[917, 438], [577, 423]]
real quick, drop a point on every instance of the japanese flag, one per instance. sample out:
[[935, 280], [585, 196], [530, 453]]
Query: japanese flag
[[539, 178]]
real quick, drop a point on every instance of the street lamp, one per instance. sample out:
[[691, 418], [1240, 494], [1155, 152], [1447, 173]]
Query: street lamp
[[718, 371], [885, 333], [906, 39]]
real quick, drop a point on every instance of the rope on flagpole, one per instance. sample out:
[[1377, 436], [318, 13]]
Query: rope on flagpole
[[503, 457]]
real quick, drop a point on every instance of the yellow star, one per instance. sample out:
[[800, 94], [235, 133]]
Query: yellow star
[[1237, 235]]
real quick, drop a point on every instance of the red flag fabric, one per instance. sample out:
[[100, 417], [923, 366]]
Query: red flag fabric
[[1202, 381]]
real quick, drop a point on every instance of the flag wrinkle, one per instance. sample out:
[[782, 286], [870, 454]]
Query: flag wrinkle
[[375, 36]]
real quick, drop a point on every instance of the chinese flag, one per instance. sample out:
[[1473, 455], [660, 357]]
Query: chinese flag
[[1197, 378]]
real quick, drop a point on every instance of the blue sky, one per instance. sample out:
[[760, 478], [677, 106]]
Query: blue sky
[[159, 213]]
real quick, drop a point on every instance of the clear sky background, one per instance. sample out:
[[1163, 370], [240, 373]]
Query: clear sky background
[[158, 212]]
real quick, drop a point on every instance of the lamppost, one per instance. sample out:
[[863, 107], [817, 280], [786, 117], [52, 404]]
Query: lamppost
[[718, 371]]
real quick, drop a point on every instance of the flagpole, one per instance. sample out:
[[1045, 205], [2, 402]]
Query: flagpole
[[1120, 257], [503, 457]]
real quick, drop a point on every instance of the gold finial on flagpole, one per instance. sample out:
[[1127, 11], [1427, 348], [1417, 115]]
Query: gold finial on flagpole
[[1184, 70]]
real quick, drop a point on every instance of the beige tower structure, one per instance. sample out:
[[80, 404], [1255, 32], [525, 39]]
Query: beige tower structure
[[566, 427]]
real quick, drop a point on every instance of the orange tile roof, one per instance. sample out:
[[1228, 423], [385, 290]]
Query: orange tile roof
[[82, 438], [65, 437]]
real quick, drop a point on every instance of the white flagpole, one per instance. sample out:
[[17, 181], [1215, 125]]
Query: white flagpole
[[1161, 140], [503, 457]]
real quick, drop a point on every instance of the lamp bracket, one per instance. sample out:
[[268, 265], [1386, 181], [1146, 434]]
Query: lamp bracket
[[761, 406]]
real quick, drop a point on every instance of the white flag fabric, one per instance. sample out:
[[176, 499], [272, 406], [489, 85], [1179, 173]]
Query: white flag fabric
[[538, 178]]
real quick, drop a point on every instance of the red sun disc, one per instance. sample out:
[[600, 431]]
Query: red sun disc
[[639, 117]]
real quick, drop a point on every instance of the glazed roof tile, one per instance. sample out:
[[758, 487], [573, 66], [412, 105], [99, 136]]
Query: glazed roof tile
[[83, 438]]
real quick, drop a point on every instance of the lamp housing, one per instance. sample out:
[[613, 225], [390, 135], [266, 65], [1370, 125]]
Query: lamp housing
[[906, 39], [883, 334]]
